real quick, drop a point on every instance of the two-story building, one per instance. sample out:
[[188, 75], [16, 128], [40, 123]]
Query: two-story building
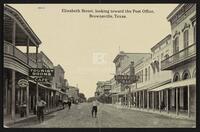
[[182, 59], [17, 34], [123, 62], [150, 76]]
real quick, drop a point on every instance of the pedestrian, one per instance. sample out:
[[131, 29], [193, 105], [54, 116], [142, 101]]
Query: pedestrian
[[40, 109], [69, 104], [94, 107]]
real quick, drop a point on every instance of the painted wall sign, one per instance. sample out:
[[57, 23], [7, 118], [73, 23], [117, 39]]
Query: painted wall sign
[[41, 72], [23, 83]]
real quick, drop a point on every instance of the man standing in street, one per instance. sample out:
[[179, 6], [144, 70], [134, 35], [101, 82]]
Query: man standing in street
[[94, 107], [40, 109], [69, 104]]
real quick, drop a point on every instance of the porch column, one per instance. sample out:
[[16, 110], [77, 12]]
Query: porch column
[[13, 96], [153, 100], [188, 87], [6, 95], [167, 100], [27, 50], [37, 81], [27, 99], [143, 99], [139, 99], [159, 100], [147, 100], [14, 35], [177, 101], [125, 100], [136, 100]]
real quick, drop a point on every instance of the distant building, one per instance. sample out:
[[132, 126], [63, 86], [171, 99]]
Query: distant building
[[58, 80], [73, 93], [122, 63]]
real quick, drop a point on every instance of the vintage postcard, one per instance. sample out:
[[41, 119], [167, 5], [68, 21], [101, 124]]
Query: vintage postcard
[[99, 65]]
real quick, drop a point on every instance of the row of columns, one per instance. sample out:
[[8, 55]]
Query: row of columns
[[159, 100]]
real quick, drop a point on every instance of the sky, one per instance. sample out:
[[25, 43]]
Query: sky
[[86, 47]]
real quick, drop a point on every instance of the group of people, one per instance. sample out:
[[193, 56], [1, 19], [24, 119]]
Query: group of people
[[41, 105]]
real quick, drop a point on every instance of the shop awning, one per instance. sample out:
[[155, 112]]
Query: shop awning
[[177, 84], [123, 93], [152, 86], [42, 85]]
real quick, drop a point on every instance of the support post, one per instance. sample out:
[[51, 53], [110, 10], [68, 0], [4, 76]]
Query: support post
[[188, 88], [136, 100], [159, 100], [27, 99], [167, 100], [37, 89], [27, 50], [139, 99], [177, 102], [153, 100], [13, 96], [143, 99], [147, 100], [14, 36]]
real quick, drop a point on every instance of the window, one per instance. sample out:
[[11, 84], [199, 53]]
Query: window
[[162, 55], [145, 74], [176, 45], [149, 72], [194, 33], [142, 76], [186, 38]]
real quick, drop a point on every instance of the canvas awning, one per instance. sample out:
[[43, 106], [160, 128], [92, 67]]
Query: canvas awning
[[152, 86], [176, 84], [123, 93]]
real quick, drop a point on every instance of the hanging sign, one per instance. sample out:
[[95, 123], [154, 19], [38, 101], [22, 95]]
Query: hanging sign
[[126, 79], [41, 72], [23, 83], [41, 79]]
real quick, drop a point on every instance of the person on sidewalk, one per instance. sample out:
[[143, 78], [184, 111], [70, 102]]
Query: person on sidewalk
[[94, 107], [40, 109]]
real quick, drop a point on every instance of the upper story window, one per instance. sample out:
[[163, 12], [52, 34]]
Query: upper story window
[[162, 56], [186, 38], [176, 45], [145, 74], [149, 73], [194, 33]]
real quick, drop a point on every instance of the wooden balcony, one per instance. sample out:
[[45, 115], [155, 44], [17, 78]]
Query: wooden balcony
[[180, 58], [13, 51]]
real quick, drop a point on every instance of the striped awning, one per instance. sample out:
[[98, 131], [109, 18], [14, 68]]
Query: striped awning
[[176, 84]]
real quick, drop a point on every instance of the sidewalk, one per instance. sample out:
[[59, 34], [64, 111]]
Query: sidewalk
[[8, 122], [170, 114]]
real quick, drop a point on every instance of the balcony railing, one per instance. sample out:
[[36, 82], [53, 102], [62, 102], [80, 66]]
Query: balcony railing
[[179, 57], [14, 51]]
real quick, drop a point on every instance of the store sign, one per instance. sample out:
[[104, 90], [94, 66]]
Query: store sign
[[40, 79], [125, 79], [23, 83], [41, 72]]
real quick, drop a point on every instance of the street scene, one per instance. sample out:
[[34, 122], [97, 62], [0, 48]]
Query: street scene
[[99, 66], [108, 117]]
